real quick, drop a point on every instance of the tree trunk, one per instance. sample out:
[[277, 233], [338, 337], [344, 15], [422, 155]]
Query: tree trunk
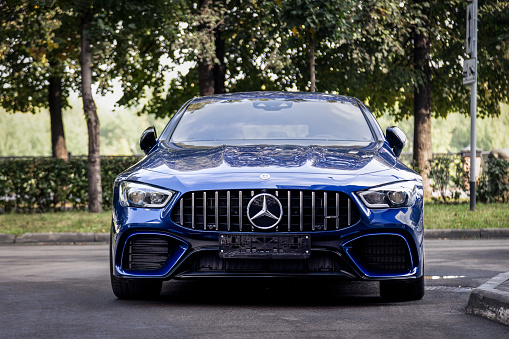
[[94, 159], [206, 65], [58, 147], [206, 77], [219, 69], [312, 63], [422, 107]]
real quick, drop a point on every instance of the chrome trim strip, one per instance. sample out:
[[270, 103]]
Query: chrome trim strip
[[313, 207], [216, 209], [325, 211], [337, 211], [240, 210], [228, 210], [349, 212], [205, 210], [301, 209], [192, 210], [289, 210], [182, 210]]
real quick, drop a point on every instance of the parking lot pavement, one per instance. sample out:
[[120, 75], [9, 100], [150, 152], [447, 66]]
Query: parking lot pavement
[[476, 267]]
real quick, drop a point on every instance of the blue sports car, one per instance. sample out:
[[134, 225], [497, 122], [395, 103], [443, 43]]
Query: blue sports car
[[269, 184]]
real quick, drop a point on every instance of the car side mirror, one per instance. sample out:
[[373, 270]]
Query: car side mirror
[[148, 139], [396, 139]]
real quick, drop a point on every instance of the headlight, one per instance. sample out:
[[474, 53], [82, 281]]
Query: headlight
[[140, 195], [399, 194]]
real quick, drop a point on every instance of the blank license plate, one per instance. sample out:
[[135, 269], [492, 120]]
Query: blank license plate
[[264, 246]]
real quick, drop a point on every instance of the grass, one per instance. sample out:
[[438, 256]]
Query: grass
[[437, 216], [459, 216], [76, 221]]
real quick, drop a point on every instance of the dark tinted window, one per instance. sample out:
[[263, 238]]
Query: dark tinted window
[[280, 121]]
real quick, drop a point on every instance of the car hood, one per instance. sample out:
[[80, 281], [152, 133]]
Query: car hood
[[298, 166]]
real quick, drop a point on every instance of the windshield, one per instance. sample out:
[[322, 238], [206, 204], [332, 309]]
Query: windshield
[[272, 121]]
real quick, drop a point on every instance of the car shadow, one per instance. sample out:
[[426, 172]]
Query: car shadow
[[270, 292]]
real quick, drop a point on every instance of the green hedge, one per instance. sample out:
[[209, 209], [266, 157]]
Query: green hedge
[[49, 184]]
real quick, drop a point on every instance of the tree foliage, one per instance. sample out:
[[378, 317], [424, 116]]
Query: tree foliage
[[364, 49], [32, 36]]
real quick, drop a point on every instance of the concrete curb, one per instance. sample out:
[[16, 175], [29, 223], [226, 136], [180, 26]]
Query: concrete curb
[[489, 301], [54, 238], [7, 238], [486, 233]]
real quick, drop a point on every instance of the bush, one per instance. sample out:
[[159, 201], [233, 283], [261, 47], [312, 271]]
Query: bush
[[494, 182], [49, 184], [448, 176]]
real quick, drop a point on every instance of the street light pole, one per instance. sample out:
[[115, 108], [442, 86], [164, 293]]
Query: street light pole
[[473, 113], [470, 77]]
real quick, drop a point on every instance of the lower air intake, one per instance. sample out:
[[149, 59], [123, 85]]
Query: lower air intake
[[382, 254], [146, 253]]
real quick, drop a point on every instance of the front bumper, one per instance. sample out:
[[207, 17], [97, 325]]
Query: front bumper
[[379, 247], [376, 244]]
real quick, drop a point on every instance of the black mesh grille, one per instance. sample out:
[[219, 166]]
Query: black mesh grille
[[303, 211], [382, 254], [317, 263], [146, 253]]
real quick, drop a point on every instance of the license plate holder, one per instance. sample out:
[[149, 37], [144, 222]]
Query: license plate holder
[[264, 246]]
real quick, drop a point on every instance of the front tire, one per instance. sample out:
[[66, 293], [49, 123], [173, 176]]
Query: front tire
[[134, 288], [402, 290]]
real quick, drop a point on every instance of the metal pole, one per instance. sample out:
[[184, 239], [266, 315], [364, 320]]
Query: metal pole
[[473, 113]]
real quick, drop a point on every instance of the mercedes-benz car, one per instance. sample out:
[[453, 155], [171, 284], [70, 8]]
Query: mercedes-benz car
[[269, 184]]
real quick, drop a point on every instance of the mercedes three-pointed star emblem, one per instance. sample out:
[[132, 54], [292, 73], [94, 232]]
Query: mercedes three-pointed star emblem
[[264, 211]]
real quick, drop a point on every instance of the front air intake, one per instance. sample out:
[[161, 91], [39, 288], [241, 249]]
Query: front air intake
[[146, 252], [386, 254]]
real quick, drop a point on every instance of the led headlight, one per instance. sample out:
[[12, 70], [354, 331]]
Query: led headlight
[[140, 195], [399, 194]]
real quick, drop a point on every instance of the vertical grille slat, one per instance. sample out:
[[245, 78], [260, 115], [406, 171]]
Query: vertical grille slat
[[216, 209], [325, 214], [349, 222], [289, 211], [228, 210], [181, 211], [192, 211], [205, 211], [313, 210], [240, 211], [303, 210]]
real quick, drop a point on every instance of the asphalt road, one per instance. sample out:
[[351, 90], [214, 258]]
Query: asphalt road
[[64, 291]]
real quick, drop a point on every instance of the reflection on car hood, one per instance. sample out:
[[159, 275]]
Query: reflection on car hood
[[303, 159]]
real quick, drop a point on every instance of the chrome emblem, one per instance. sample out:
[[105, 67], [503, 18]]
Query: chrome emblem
[[264, 211], [265, 176]]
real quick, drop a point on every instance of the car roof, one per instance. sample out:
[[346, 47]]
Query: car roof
[[264, 95]]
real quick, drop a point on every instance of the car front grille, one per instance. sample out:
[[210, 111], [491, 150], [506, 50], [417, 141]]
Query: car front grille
[[303, 211], [382, 254], [146, 253]]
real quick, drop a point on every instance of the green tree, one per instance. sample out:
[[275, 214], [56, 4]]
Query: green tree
[[118, 40], [405, 59], [34, 52], [308, 26]]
